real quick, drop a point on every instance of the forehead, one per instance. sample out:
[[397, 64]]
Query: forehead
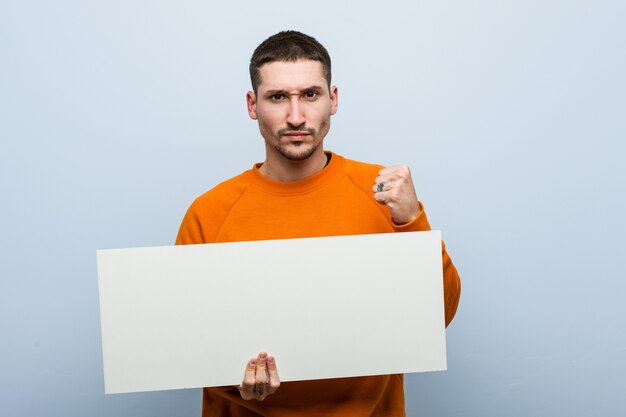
[[280, 75]]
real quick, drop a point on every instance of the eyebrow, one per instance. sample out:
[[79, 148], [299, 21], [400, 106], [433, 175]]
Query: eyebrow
[[315, 88]]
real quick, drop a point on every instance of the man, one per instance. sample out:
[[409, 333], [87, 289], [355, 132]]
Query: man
[[300, 190]]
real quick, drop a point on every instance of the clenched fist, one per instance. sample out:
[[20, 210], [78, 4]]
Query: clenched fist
[[394, 188]]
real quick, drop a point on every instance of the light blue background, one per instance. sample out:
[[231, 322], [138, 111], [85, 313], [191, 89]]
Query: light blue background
[[512, 114]]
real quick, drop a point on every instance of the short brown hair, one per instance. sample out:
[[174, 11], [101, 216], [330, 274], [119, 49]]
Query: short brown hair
[[288, 46]]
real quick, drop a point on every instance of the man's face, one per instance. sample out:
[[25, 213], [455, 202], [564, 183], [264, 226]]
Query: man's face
[[293, 106]]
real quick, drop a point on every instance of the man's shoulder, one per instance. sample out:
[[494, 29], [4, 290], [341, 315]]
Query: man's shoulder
[[360, 166], [361, 173], [224, 194], [207, 213]]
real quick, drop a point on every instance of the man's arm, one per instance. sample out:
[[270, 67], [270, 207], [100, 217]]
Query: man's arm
[[394, 188], [261, 376]]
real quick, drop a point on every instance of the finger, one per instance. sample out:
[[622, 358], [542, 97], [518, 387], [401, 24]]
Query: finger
[[247, 385], [389, 173], [398, 170], [380, 186], [250, 375], [385, 170], [260, 386], [384, 178], [382, 197], [401, 174], [388, 179], [272, 370]]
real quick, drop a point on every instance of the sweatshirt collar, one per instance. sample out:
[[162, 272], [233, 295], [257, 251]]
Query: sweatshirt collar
[[303, 186]]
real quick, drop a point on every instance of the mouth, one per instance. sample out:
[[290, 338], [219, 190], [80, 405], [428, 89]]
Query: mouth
[[297, 138]]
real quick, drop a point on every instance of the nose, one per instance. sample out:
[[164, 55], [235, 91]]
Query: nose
[[296, 112]]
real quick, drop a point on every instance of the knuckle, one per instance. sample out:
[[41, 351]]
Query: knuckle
[[246, 395]]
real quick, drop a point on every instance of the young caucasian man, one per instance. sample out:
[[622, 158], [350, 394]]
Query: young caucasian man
[[301, 190]]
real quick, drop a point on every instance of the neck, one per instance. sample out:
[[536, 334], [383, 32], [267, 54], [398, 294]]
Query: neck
[[282, 169]]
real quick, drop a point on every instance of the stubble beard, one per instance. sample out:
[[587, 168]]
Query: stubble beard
[[301, 153], [304, 150]]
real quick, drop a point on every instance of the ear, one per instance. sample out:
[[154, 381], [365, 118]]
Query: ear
[[334, 99], [251, 101]]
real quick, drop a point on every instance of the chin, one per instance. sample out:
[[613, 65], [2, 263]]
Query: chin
[[300, 153]]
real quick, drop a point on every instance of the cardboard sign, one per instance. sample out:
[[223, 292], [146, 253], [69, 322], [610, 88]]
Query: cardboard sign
[[192, 316]]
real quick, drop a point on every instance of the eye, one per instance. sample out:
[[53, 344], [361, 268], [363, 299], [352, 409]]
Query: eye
[[310, 95], [277, 97]]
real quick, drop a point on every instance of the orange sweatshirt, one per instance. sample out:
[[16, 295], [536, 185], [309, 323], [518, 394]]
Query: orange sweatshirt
[[335, 201]]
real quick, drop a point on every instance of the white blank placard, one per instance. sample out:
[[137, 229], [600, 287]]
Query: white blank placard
[[192, 316]]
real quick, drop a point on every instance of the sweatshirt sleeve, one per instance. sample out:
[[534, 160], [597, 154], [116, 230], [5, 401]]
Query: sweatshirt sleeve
[[207, 213], [190, 231], [451, 280], [363, 175]]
